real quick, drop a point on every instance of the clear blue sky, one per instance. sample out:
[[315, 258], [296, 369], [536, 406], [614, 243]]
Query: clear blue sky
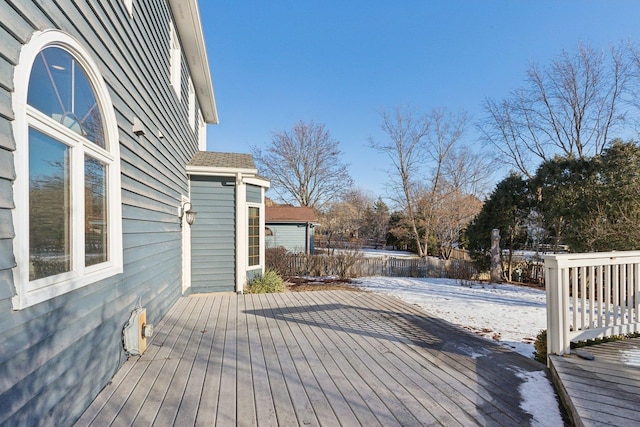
[[341, 62]]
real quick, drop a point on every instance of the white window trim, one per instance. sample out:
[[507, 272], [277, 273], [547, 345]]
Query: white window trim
[[261, 235], [192, 105], [31, 293], [175, 60], [202, 132]]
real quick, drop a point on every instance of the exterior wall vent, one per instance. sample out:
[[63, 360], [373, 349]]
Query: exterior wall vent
[[136, 332]]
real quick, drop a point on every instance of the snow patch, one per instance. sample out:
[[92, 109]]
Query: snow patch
[[631, 357], [538, 399]]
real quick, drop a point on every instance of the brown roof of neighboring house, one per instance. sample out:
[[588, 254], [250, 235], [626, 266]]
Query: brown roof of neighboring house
[[222, 160], [289, 214]]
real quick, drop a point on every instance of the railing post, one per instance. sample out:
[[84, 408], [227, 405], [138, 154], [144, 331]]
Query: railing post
[[555, 310]]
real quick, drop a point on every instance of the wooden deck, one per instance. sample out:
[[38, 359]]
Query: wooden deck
[[602, 391], [312, 358]]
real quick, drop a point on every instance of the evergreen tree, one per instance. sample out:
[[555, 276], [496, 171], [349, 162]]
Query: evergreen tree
[[507, 209]]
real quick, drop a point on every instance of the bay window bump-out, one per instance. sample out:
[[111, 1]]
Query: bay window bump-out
[[67, 189]]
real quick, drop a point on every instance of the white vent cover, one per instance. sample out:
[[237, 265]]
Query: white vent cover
[[136, 332]]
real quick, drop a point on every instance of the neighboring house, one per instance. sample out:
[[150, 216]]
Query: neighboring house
[[290, 227], [102, 105], [227, 239]]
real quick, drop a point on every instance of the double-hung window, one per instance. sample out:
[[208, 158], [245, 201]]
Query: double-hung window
[[67, 218]]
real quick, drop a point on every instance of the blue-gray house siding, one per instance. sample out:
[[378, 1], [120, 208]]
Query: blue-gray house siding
[[254, 194], [213, 235], [57, 355], [291, 236]]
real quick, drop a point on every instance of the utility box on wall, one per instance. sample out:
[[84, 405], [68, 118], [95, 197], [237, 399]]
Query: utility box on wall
[[136, 332]]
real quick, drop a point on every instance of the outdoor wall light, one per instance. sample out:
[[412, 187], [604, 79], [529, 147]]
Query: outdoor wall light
[[138, 127], [187, 212]]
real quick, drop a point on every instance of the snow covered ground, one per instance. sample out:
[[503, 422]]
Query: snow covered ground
[[510, 315], [380, 253], [373, 253]]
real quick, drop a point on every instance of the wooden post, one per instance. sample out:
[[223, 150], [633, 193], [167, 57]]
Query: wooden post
[[552, 281], [496, 266]]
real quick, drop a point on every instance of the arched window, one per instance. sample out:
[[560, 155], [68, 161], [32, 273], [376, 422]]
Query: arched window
[[67, 217]]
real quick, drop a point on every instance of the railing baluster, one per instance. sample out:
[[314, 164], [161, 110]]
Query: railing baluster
[[607, 295], [636, 290], [573, 288], [615, 287], [624, 295], [592, 290], [583, 295], [600, 288]]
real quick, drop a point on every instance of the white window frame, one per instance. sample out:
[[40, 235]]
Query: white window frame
[[192, 105], [29, 293], [202, 132], [175, 60], [261, 235]]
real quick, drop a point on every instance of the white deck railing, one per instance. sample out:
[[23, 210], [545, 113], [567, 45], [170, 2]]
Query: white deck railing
[[591, 295]]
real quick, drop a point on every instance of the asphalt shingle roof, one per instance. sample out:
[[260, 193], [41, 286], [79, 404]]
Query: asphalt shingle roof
[[215, 159], [289, 214]]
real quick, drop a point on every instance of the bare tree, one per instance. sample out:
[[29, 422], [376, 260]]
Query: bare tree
[[467, 171], [446, 131], [454, 212], [377, 223], [568, 108], [359, 203], [337, 225], [304, 165], [405, 147], [427, 157]]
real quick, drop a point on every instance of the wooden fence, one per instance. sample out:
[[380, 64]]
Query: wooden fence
[[351, 266]]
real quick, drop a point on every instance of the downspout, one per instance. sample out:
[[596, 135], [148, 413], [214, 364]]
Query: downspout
[[307, 238]]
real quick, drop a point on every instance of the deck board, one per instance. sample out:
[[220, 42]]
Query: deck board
[[227, 401], [390, 389], [301, 355], [263, 401], [207, 410], [461, 359], [345, 399], [312, 358], [187, 414], [403, 366], [160, 394], [605, 390]]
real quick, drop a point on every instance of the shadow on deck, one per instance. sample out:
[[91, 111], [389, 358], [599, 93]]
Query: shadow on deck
[[312, 358]]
